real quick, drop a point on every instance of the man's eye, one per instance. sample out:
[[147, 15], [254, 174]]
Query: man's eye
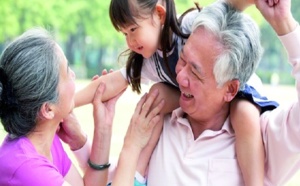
[[195, 74]]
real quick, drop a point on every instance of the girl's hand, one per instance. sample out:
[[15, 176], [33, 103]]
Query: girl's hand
[[104, 72], [143, 121]]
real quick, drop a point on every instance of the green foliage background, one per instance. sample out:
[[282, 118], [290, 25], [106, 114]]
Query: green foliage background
[[90, 42], [83, 29]]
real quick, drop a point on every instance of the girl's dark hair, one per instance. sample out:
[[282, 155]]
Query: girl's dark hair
[[123, 13]]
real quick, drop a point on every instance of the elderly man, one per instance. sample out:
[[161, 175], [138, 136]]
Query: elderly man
[[197, 145]]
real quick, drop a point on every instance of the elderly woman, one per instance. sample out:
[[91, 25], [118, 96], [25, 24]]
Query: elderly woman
[[37, 98]]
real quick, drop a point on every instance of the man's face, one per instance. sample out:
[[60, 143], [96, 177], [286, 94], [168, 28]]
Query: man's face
[[200, 96]]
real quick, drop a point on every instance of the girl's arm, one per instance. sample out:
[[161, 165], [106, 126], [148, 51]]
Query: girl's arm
[[115, 83]]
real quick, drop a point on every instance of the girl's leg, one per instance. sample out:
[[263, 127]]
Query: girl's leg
[[245, 121], [169, 93]]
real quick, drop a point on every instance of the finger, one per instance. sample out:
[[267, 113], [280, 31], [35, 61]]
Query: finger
[[139, 105], [271, 3], [95, 77], [153, 122], [111, 70], [149, 101], [99, 93], [158, 126], [156, 110], [104, 72]]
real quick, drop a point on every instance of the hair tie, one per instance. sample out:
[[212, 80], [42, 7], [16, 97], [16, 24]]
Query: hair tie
[[8, 102]]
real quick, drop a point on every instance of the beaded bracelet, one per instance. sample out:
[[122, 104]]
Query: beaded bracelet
[[98, 167]]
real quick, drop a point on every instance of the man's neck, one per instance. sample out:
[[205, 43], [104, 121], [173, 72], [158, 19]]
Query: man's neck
[[215, 123]]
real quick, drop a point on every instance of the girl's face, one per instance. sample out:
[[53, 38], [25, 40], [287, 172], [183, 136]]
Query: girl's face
[[143, 37], [66, 87]]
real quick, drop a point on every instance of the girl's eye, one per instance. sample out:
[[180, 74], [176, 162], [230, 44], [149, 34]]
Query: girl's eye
[[132, 29]]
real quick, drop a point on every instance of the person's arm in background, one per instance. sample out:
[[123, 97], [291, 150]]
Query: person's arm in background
[[115, 83], [279, 17], [281, 127]]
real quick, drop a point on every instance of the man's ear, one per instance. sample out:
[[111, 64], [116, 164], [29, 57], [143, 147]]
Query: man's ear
[[161, 12], [47, 111], [232, 89]]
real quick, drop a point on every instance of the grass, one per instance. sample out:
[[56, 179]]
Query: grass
[[125, 107]]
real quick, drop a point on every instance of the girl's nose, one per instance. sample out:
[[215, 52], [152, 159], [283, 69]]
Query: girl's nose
[[130, 41]]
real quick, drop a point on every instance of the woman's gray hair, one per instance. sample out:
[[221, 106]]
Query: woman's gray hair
[[240, 38], [31, 65]]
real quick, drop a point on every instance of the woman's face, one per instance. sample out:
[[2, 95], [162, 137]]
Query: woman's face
[[66, 87]]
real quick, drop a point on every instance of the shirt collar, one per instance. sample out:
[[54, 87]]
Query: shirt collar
[[178, 116]]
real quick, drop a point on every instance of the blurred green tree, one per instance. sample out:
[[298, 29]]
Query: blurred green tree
[[90, 42]]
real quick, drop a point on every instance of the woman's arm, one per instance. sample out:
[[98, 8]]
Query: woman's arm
[[138, 134], [115, 83], [97, 172], [103, 119]]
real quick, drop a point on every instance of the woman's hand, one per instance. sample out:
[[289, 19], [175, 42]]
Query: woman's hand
[[71, 133], [104, 112], [143, 121]]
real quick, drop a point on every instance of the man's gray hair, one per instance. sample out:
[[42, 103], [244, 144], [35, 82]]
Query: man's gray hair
[[240, 38], [31, 64]]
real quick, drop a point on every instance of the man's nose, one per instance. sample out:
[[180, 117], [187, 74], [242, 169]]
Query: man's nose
[[182, 77]]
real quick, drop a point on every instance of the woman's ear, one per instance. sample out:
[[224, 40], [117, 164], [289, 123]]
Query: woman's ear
[[47, 111], [161, 12], [231, 90]]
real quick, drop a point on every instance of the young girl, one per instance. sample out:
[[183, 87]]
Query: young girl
[[155, 37]]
